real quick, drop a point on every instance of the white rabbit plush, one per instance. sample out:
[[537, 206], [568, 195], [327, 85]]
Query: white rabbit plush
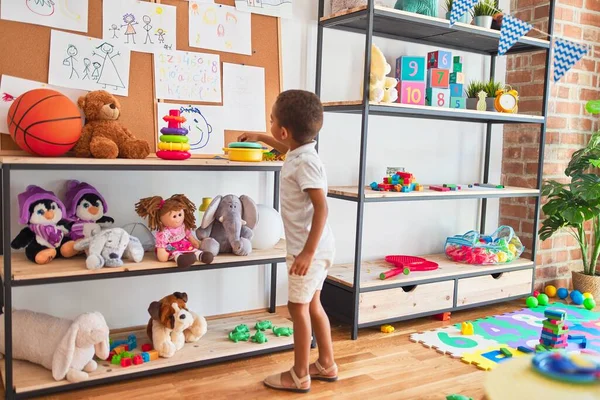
[[61, 345], [107, 248]]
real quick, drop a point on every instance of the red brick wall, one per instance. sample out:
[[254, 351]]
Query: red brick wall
[[568, 127]]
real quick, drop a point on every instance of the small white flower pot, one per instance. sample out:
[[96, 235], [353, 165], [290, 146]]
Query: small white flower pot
[[484, 21]]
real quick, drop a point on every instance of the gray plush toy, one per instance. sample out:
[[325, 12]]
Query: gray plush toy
[[108, 247], [227, 225]]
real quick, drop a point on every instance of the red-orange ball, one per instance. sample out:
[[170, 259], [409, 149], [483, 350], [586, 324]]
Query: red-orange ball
[[44, 122]]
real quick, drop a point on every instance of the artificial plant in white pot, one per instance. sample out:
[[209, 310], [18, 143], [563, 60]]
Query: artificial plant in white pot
[[483, 13]]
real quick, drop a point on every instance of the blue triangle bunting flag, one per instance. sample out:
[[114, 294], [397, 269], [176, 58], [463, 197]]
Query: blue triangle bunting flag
[[459, 7], [512, 30], [566, 54]]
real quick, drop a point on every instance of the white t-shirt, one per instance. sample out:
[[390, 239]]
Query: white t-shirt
[[303, 170]]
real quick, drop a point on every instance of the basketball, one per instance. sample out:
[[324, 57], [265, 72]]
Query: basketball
[[44, 122]]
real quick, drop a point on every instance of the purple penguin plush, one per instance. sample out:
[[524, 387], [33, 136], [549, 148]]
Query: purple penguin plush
[[86, 209], [45, 236]]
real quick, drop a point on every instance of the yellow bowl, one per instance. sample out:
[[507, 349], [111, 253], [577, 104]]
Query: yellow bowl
[[246, 155]]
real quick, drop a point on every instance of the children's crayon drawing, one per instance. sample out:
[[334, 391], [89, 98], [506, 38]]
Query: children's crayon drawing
[[219, 27], [11, 88], [139, 25], [244, 97], [274, 8], [189, 76], [63, 14], [204, 124], [87, 63]]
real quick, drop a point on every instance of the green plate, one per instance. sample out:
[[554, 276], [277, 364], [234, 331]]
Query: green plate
[[245, 145]]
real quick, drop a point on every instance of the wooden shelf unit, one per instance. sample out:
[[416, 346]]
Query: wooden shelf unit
[[32, 380], [351, 292]]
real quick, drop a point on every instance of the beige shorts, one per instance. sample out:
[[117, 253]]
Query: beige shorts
[[301, 289]]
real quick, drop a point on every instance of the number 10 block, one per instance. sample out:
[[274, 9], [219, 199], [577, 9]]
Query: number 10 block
[[412, 92], [410, 69]]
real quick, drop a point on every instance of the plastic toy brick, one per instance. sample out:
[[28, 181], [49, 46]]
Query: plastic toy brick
[[120, 349], [540, 347], [405, 189], [457, 77], [146, 347], [126, 362], [457, 60], [443, 316], [456, 90], [436, 97], [410, 68], [116, 343], [458, 102], [116, 360], [145, 357], [439, 188], [458, 67], [153, 355], [506, 352], [524, 349], [131, 342], [137, 359], [387, 328], [438, 78], [439, 59], [466, 328], [374, 186], [411, 92], [556, 315], [419, 188]]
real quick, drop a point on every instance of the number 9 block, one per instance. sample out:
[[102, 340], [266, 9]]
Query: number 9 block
[[439, 59], [412, 92], [410, 69]]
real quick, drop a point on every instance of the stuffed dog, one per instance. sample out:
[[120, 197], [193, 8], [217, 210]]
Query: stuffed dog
[[65, 347], [171, 324], [108, 247]]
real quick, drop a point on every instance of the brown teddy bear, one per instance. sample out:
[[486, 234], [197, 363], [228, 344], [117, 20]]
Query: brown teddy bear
[[103, 136]]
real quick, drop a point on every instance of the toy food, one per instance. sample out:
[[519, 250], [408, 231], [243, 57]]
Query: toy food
[[45, 236], [66, 347], [387, 328], [227, 225], [174, 141], [502, 246], [381, 87], [103, 136], [174, 219], [108, 247], [172, 324], [283, 331], [44, 122]]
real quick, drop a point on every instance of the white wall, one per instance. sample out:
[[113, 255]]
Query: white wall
[[435, 151]]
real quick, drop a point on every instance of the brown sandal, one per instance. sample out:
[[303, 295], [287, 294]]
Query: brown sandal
[[274, 382], [323, 374]]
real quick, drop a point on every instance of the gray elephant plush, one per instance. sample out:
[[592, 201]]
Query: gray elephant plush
[[108, 247], [227, 225]]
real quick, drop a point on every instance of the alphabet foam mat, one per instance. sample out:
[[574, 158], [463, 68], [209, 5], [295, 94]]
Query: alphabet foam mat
[[518, 328]]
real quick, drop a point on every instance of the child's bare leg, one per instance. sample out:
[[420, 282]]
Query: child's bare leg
[[302, 338], [322, 330]]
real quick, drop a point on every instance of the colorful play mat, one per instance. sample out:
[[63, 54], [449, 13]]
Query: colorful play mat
[[511, 330]]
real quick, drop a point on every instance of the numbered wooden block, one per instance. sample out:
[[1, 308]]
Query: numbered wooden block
[[410, 69], [457, 67], [457, 60], [439, 59], [457, 77], [412, 92], [458, 102], [456, 89], [438, 78], [437, 97]]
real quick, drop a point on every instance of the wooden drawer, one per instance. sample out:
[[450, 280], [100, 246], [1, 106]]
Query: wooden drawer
[[493, 287], [399, 302]]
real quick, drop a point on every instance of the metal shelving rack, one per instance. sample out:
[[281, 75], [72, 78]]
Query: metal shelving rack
[[19, 272], [371, 20]]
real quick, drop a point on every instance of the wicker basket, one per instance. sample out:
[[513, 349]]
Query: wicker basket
[[586, 283]]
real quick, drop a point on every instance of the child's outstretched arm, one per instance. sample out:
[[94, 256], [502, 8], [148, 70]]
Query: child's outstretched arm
[[266, 139], [303, 261]]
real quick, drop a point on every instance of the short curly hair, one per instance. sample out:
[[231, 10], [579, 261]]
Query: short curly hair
[[300, 112]]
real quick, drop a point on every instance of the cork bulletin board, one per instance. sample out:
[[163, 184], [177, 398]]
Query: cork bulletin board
[[26, 49]]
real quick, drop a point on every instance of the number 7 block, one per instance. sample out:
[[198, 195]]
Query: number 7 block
[[410, 69], [412, 92], [438, 78]]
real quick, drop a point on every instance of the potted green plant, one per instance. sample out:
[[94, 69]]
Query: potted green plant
[[483, 13], [448, 5], [574, 204], [490, 88]]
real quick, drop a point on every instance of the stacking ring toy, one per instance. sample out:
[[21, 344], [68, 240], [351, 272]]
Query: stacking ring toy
[[174, 131], [174, 139], [174, 146], [173, 155], [244, 145]]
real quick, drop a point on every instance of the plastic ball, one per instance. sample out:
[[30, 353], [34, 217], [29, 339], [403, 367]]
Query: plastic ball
[[550, 290], [536, 293], [577, 297], [588, 295], [562, 293], [543, 299], [531, 302], [589, 303], [269, 229]]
